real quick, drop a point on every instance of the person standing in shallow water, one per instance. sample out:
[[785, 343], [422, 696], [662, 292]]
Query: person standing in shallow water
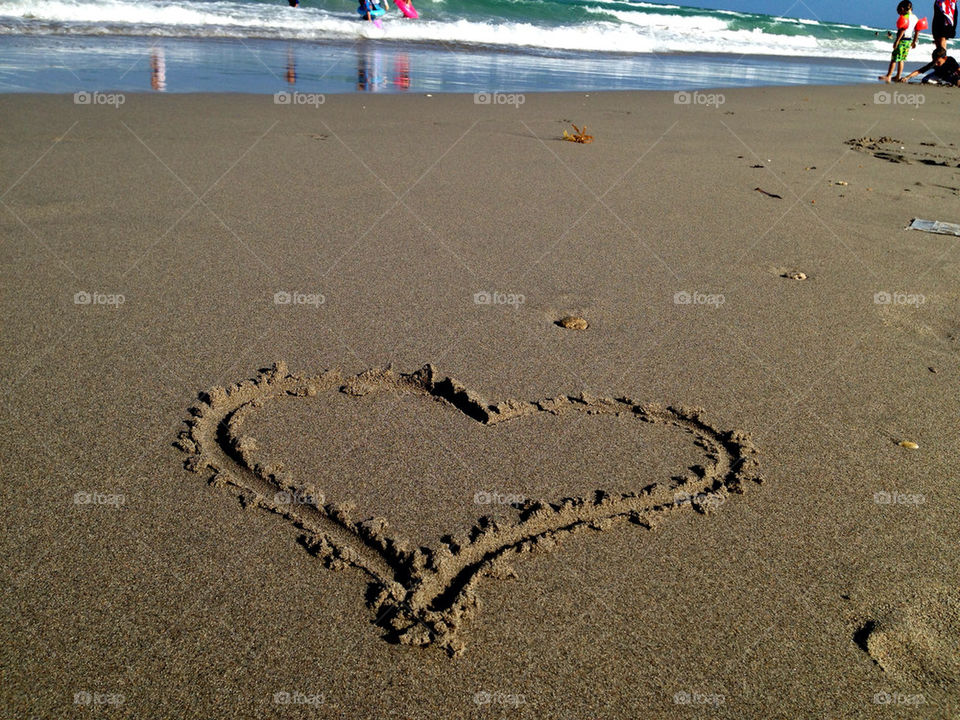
[[944, 26], [903, 42]]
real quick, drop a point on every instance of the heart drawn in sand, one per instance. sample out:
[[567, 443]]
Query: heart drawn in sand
[[427, 595]]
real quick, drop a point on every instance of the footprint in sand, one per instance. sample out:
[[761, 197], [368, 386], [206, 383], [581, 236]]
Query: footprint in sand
[[896, 151], [927, 329], [917, 643], [425, 594]]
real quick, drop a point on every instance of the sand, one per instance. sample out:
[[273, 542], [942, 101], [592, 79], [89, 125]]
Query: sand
[[292, 427]]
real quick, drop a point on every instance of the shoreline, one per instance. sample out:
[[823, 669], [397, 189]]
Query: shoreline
[[211, 64], [403, 43]]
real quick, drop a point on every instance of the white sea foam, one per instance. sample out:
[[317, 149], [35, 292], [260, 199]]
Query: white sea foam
[[618, 30]]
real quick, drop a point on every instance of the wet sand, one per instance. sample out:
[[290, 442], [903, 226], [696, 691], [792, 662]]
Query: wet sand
[[698, 505]]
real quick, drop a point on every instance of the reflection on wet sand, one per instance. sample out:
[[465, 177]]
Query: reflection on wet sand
[[401, 71], [158, 70], [291, 73], [371, 77]]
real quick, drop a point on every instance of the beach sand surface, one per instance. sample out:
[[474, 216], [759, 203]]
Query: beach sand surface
[[176, 244]]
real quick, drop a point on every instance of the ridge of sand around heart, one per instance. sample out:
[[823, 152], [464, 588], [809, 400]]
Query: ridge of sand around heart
[[425, 595]]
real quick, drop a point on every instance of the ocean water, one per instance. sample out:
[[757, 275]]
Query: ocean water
[[509, 45], [618, 26]]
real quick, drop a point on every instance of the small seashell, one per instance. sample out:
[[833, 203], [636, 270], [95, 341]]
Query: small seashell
[[909, 445], [573, 322], [794, 275], [841, 182]]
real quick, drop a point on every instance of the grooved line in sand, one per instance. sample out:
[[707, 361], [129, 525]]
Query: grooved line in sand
[[427, 595]]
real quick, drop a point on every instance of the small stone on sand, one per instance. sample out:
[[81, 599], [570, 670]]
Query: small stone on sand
[[572, 322], [909, 445], [794, 275]]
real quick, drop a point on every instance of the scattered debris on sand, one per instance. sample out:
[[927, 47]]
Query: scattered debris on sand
[[573, 322]]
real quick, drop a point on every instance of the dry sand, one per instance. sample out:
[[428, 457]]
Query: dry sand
[[697, 506]]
